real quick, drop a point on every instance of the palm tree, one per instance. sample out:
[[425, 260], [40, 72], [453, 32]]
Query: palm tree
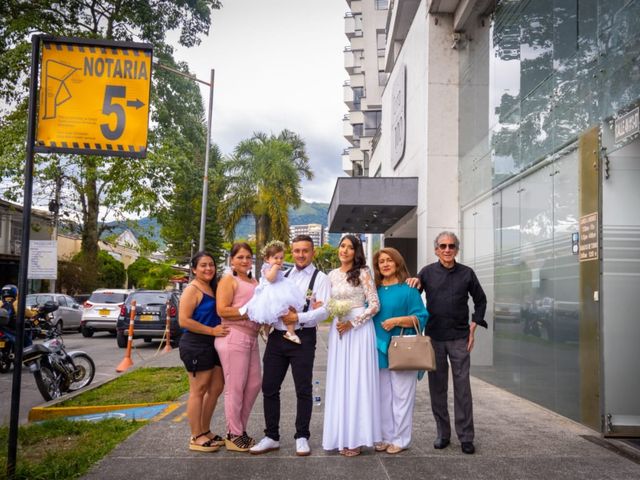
[[262, 179]]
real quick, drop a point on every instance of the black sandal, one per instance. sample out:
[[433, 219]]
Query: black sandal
[[237, 443], [207, 446], [216, 439]]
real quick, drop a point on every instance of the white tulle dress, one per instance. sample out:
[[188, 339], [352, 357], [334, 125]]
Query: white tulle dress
[[352, 406], [271, 300]]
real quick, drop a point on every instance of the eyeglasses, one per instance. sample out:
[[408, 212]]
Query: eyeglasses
[[444, 246]]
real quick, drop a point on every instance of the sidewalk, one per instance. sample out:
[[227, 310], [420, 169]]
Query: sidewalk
[[515, 439]]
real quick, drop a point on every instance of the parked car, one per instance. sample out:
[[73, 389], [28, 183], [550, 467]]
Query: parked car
[[150, 316], [67, 316], [101, 311]]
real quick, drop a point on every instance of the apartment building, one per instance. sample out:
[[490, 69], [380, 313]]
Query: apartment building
[[515, 123], [364, 62], [316, 231]]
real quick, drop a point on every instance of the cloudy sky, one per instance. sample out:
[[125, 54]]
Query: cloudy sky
[[278, 64]]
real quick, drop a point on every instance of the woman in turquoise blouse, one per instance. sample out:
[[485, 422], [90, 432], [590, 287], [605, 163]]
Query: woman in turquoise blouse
[[400, 305]]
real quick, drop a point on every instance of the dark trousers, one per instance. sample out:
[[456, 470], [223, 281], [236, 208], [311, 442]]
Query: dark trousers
[[278, 355], [456, 351]]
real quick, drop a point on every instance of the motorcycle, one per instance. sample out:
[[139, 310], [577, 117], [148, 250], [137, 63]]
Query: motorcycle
[[55, 370], [7, 340]]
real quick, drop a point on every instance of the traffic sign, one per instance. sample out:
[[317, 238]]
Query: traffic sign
[[94, 97]]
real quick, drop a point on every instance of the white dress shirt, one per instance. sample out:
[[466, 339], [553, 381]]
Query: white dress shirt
[[321, 293]]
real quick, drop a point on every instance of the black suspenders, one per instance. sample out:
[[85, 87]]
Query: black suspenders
[[311, 284]]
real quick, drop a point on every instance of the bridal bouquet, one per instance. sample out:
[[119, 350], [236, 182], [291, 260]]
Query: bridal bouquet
[[338, 308]]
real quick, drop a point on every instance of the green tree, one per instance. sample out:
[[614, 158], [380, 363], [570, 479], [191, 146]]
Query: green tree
[[326, 258], [263, 179], [137, 270], [158, 276], [180, 218], [94, 182], [111, 272]]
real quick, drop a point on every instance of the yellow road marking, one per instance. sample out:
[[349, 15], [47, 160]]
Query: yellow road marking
[[172, 407], [180, 417]]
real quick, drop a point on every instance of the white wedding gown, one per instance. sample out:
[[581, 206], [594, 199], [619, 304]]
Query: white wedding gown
[[352, 406]]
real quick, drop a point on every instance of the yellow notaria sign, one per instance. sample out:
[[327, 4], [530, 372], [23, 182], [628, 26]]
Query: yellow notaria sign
[[94, 98]]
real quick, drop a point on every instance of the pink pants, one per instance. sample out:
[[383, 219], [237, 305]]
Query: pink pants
[[241, 366]]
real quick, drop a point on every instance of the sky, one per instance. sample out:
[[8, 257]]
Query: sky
[[278, 64]]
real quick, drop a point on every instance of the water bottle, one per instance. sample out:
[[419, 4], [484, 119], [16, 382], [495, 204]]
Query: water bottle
[[317, 396]]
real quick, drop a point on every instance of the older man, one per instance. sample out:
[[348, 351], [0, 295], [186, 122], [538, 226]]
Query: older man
[[281, 353], [447, 285]]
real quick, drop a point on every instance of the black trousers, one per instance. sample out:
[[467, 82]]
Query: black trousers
[[278, 355], [459, 357]]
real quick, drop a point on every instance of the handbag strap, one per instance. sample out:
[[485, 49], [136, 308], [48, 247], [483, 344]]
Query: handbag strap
[[415, 326]]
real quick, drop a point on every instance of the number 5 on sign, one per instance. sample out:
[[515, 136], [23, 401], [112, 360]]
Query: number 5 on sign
[[94, 97]]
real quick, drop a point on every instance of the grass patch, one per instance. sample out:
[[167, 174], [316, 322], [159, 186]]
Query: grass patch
[[143, 385], [62, 449]]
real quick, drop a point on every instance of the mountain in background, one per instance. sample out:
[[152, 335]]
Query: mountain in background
[[307, 213]]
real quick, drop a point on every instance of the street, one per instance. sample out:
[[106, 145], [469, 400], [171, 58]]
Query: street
[[103, 350]]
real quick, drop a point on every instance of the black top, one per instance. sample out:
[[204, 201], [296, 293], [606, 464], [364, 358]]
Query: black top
[[447, 292]]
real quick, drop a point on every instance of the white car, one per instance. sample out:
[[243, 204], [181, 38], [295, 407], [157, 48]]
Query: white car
[[101, 310]]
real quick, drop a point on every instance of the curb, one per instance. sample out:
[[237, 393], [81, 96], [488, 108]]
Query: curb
[[40, 412]]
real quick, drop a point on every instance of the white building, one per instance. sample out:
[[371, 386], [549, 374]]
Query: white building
[[315, 230], [364, 62], [516, 124]]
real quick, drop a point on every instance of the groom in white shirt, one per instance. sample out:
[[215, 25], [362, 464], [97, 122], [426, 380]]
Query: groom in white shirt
[[281, 353]]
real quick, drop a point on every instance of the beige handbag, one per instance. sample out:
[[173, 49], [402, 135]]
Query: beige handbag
[[411, 352]]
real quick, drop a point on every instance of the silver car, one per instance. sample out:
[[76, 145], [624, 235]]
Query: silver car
[[68, 314], [101, 311]]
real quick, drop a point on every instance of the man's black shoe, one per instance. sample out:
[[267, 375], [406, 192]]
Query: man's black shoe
[[467, 447], [441, 443]]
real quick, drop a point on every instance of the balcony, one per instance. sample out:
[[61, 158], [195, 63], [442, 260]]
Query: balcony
[[347, 128], [350, 28], [347, 165], [356, 117], [357, 42], [357, 80], [350, 64], [356, 155], [348, 95]]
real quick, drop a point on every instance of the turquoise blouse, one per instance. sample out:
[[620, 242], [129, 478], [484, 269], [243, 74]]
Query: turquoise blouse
[[396, 301]]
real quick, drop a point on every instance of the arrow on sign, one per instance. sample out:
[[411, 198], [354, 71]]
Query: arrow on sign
[[135, 103]]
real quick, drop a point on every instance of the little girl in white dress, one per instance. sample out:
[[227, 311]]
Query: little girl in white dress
[[275, 293]]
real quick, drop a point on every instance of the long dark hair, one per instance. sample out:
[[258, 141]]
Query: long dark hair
[[194, 263], [359, 260], [235, 248]]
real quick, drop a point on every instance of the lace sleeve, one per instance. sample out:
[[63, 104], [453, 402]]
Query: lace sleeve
[[371, 295]]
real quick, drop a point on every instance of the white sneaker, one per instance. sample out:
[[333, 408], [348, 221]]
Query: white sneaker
[[265, 445], [302, 447]]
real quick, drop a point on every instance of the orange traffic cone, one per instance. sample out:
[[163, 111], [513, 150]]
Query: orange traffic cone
[[167, 347], [126, 361]]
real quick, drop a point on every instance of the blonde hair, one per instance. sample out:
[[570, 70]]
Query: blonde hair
[[271, 248]]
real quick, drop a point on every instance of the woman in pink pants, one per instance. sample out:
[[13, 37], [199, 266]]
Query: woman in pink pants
[[238, 351]]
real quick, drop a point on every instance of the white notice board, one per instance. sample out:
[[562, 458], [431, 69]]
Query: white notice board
[[43, 260]]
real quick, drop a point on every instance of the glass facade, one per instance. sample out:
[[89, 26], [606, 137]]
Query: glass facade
[[533, 80]]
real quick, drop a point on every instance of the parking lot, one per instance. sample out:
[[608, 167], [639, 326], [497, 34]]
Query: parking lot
[[103, 350]]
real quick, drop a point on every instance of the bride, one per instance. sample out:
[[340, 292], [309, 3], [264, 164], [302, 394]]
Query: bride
[[352, 411]]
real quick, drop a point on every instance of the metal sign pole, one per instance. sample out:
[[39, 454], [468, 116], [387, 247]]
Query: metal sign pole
[[205, 180], [24, 260]]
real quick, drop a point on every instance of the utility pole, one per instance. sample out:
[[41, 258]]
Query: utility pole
[[54, 207], [205, 179]]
